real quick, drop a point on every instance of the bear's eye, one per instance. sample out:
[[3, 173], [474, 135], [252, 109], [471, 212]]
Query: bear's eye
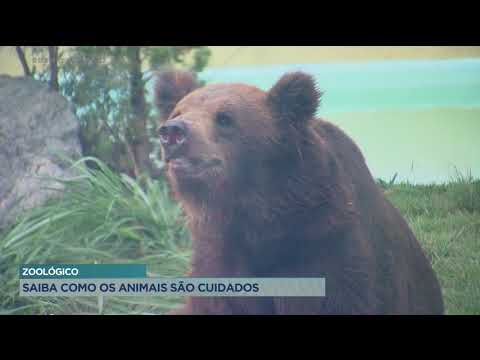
[[224, 119]]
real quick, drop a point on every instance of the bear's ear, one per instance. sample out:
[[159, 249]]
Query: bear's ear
[[170, 87], [294, 97]]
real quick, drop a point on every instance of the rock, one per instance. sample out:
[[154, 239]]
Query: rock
[[35, 124]]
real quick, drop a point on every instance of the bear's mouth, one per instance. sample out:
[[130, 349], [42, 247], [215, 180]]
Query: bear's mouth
[[183, 166]]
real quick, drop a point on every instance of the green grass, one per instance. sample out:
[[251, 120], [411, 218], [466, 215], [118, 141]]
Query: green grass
[[446, 220], [102, 218], [106, 218]]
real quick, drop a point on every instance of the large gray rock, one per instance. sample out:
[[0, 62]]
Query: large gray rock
[[35, 123]]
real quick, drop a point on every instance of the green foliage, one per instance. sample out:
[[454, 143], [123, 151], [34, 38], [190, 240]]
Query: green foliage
[[98, 82], [95, 78], [194, 58], [103, 217]]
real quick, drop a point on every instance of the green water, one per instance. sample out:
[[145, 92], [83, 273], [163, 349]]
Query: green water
[[420, 119], [422, 146]]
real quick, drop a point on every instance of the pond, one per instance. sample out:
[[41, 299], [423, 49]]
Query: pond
[[418, 119]]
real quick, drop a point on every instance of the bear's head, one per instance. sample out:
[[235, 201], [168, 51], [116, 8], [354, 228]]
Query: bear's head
[[222, 140]]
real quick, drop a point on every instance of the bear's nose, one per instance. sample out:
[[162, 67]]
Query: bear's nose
[[173, 132]]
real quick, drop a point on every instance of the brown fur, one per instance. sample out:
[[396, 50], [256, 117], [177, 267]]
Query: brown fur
[[293, 197]]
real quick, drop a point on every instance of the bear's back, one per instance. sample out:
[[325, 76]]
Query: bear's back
[[405, 281]]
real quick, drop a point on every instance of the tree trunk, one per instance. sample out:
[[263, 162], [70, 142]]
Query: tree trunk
[[53, 62], [139, 137], [23, 61]]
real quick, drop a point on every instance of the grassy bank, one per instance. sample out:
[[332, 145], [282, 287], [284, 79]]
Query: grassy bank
[[268, 55], [105, 218]]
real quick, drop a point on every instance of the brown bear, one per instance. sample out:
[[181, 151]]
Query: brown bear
[[270, 190]]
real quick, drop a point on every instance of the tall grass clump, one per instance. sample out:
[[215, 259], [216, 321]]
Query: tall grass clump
[[466, 191], [101, 217]]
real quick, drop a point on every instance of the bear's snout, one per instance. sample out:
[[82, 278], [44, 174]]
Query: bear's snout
[[173, 135]]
